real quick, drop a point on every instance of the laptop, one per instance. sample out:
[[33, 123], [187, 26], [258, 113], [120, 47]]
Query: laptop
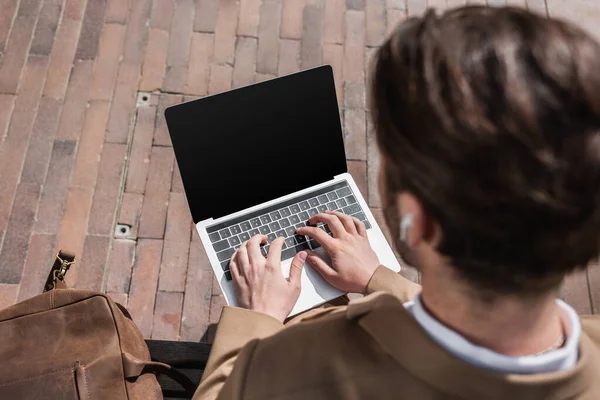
[[263, 159]]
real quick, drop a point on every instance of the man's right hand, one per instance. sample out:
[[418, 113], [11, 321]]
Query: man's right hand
[[353, 260]]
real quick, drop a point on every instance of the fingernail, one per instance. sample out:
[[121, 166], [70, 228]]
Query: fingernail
[[302, 255]]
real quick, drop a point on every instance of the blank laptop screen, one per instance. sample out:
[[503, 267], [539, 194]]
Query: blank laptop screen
[[254, 144]]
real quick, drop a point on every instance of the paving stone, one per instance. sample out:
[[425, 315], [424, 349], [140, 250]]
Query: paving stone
[[120, 264], [576, 292], [289, 56], [154, 210], [245, 62], [355, 4], [354, 46], [206, 15], [179, 46], [8, 7], [141, 149], [131, 210], [161, 133], [394, 17], [73, 114], [268, 33], [45, 29], [93, 21], [167, 316], [155, 60], [310, 45], [8, 295], [93, 263], [291, 19], [40, 257], [15, 54], [248, 19], [358, 170], [224, 45], [107, 64], [117, 11], [355, 138], [199, 66], [333, 27], [63, 51], [176, 245], [162, 13], [375, 22], [333, 54], [220, 78]]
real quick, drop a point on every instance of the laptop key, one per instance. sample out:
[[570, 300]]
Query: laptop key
[[284, 223], [343, 192], [341, 203], [303, 216], [244, 236], [360, 216], [323, 199], [294, 219], [275, 215], [265, 230], [254, 232], [290, 231], [225, 254], [225, 233], [367, 224], [314, 244], [235, 230], [245, 226], [332, 206], [322, 208], [300, 225], [234, 241], [332, 196], [228, 276], [313, 202], [264, 250], [290, 242], [351, 199], [214, 237], [265, 219], [271, 237], [274, 226], [285, 212], [255, 222], [300, 239], [220, 246], [352, 209], [225, 265], [295, 209], [304, 205], [312, 212], [280, 233]]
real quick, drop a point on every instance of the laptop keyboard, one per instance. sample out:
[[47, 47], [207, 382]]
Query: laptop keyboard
[[282, 220]]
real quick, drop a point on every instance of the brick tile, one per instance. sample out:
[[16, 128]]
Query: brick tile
[[576, 292], [441, 5], [53, 198], [458, 3], [310, 45], [198, 290], [263, 77], [37, 266], [522, 3], [268, 32], [73, 226], [72, 117], [176, 182], [93, 263], [291, 19], [417, 7], [120, 264], [469, 2], [333, 54], [144, 281], [333, 28], [119, 298], [593, 274], [29, 8], [372, 166], [63, 51], [245, 61], [496, 3], [206, 15], [354, 47], [358, 170], [137, 33], [581, 12], [249, 16], [375, 22], [354, 95], [43, 36], [167, 316], [117, 11], [227, 18], [16, 54], [355, 4], [355, 134], [199, 66], [18, 233], [179, 46], [176, 245], [220, 78], [89, 150], [217, 302], [289, 56], [7, 102], [41, 141], [8, 7], [108, 189], [161, 133], [8, 295], [93, 20], [123, 104], [162, 13], [107, 64], [154, 210], [74, 9], [155, 60], [14, 145], [394, 17], [131, 210], [139, 158]]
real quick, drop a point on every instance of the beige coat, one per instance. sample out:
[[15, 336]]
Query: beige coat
[[371, 349]]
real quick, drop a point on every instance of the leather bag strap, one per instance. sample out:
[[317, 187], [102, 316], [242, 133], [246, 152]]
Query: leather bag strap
[[134, 367], [56, 277]]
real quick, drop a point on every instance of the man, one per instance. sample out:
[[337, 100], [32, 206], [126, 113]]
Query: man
[[488, 124]]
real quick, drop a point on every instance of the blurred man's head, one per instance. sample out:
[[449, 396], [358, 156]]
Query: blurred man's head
[[488, 122]]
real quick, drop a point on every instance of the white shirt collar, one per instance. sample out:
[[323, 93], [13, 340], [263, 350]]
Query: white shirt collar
[[557, 360]]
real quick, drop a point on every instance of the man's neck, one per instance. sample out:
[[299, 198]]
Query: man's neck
[[508, 325]]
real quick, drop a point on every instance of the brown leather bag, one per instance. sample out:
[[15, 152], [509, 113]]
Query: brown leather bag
[[75, 344]]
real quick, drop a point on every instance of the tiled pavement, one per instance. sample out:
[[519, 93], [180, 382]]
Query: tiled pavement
[[84, 146]]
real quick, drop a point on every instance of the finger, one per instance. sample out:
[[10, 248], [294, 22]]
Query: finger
[[253, 246], [334, 223], [296, 269], [242, 261], [235, 271], [360, 227], [274, 256], [315, 261], [319, 234], [346, 221]]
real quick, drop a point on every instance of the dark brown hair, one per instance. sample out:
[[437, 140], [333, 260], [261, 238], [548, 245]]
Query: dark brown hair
[[491, 117]]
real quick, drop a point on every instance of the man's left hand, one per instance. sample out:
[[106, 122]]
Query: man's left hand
[[258, 281]]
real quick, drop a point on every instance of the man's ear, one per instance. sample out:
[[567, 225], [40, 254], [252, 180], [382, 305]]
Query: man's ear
[[423, 228]]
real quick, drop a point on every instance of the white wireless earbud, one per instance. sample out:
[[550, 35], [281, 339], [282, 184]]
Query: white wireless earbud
[[405, 225]]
